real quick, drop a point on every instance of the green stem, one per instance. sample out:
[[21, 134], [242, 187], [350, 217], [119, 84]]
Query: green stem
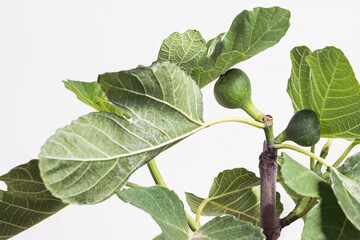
[[303, 151], [269, 134], [346, 152], [303, 206], [308, 207], [236, 119], [192, 224], [325, 150], [253, 111], [155, 173], [312, 161], [200, 208], [158, 179], [132, 185]]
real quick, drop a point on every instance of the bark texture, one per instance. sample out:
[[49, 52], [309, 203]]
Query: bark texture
[[268, 173]]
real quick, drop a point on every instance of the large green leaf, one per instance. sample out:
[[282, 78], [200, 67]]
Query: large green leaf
[[184, 49], [330, 89], [26, 202], [326, 221], [251, 32], [347, 192], [92, 94], [88, 160], [235, 192], [167, 210], [298, 178]]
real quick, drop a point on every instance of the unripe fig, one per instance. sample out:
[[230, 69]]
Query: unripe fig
[[303, 129], [233, 90]]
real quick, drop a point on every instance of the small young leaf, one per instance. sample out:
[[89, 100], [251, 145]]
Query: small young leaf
[[92, 94], [27, 201], [326, 221], [167, 210], [330, 89], [347, 192], [251, 32], [235, 192], [183, 49], [88, 160], [298, 178]]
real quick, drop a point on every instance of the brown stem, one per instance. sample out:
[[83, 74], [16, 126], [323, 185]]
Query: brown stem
[[268, 172]]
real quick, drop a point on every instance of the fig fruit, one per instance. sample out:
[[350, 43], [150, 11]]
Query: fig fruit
[[303, 129], [233, 90]]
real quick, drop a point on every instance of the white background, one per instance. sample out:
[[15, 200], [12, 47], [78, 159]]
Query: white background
[[44, 42]]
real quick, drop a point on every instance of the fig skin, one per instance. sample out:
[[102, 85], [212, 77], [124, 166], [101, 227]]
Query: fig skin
[[303, 129], [233, 89]]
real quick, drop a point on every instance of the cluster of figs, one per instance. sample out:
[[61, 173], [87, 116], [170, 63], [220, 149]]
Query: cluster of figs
[[233, 90]]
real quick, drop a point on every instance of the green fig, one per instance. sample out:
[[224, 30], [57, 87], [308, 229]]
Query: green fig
[[303, 129], [233, 90]]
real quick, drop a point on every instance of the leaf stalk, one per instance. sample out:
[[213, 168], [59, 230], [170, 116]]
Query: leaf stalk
[[312, 161], [237, 119], [303, 151], [159, 180], [303, 206], [345, 153]]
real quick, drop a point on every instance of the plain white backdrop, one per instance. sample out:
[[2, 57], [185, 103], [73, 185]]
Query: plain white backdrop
[[44, 42]]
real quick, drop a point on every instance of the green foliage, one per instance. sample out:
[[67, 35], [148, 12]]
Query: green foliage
[[88, 160], [146, 110], [26, 202], [351, 167], [91, 94], [167, 210], [298, 86], [250, 33], [320, 223], [303, 129], [235, 192], [298, 178], [324, 82], [183, 49], [326, 221], [347, 192]]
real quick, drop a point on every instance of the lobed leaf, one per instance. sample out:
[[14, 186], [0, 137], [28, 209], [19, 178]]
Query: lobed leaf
[[250, 33], [183, 49], [298, 178], [91, 94], [167, 210], [324, 82], [88, 160], [326, 221], [26, 202], [347, 192], [235, 192]]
